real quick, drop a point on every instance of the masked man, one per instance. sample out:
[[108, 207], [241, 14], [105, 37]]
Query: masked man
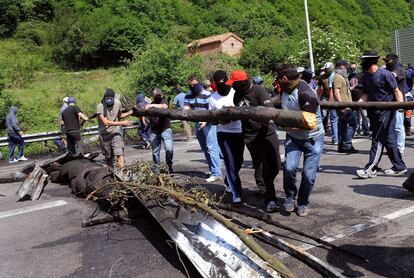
[[206, 133], [298, 96], [347, 118], [260, 138], [229, 135], [110, 129], [160, 131], [380, 85]]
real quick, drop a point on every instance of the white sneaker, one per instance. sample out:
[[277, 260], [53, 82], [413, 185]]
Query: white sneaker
[[207, 173], [289, 205], [392, 172], [13, 161], [303, 210], [213, 178], [23, 158], [237, 200], [365, 174], [271, 206]]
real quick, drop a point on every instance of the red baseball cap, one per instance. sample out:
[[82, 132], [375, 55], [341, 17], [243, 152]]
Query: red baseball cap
[[237, 75]]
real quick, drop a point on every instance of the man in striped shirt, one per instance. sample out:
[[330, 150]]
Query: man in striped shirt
[[198, 99]]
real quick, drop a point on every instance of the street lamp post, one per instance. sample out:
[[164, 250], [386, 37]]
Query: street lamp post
[[312, 66]]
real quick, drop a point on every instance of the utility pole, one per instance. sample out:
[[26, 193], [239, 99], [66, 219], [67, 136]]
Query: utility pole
[[312, 66]]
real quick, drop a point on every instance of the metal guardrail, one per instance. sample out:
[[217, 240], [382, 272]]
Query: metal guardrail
[[52, 135]]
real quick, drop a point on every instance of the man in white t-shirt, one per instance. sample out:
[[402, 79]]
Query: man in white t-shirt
[[229, 135]]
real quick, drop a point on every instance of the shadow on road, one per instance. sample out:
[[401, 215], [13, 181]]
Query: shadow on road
[[383, 191], [385, 261]]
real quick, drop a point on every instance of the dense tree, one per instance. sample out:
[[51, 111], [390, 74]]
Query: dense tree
[[95, 33]]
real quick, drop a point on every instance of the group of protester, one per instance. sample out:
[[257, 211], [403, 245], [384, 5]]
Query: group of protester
[[297, 89]]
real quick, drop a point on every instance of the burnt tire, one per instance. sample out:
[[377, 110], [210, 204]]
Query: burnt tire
[[78, 186], [55, 176], [65, 168], [97, 179], [79, 169], [52, 167]]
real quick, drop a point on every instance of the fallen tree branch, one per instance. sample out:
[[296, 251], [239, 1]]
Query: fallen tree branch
[[267, 219], [273, 262], [291, 249]]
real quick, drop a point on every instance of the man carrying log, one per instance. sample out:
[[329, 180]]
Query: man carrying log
[[70, 119], [260, 138], [160, 131], [298, 96], [110, 131], [380, 85], [229, 135], [206, 133]]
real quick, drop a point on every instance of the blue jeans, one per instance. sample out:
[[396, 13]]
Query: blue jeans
[[232, 148], [364, 126], [347, 124], [333, 117], [207, 138], [312, 151], [400, 131], [167, 138], [144, 131], [15, 139]]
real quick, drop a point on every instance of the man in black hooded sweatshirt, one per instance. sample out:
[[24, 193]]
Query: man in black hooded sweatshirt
[[260, 138]]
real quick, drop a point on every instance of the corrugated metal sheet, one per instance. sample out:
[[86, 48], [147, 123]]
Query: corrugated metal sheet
[[403, 44]]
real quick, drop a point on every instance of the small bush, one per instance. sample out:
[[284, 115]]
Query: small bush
[[34, 32]]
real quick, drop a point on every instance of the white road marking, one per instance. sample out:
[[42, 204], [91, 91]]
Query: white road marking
[[357, 228], [14, 212]]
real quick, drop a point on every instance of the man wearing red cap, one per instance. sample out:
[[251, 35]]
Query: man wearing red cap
[[260, 138]]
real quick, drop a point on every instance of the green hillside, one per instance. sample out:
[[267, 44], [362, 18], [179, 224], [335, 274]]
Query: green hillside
[[53, 48]]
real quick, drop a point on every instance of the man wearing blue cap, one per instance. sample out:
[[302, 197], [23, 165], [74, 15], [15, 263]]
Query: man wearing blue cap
[[71, 120]]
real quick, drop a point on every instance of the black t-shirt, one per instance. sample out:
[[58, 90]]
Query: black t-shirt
[[70, 117], [256, 96], [400, 75], [159, 124]]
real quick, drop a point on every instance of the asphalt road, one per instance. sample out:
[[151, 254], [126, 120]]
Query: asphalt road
[[373, 218]]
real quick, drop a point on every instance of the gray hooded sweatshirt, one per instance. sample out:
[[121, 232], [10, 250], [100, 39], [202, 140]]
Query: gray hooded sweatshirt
[[11, 121]]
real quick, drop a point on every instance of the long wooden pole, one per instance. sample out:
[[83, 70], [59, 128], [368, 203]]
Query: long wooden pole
[[281, 117], [369, 105]]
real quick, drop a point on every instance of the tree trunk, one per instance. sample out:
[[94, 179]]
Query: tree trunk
[[285, 118], [369, 105]]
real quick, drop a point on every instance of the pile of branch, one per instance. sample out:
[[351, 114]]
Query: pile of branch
[[147, 185]]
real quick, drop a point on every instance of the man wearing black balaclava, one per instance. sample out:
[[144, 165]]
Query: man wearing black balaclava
[[229, 136], [160, 131], [297, 95], [393, 65], [379, 84], [110, 131], [206, 133], [260, 138]]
